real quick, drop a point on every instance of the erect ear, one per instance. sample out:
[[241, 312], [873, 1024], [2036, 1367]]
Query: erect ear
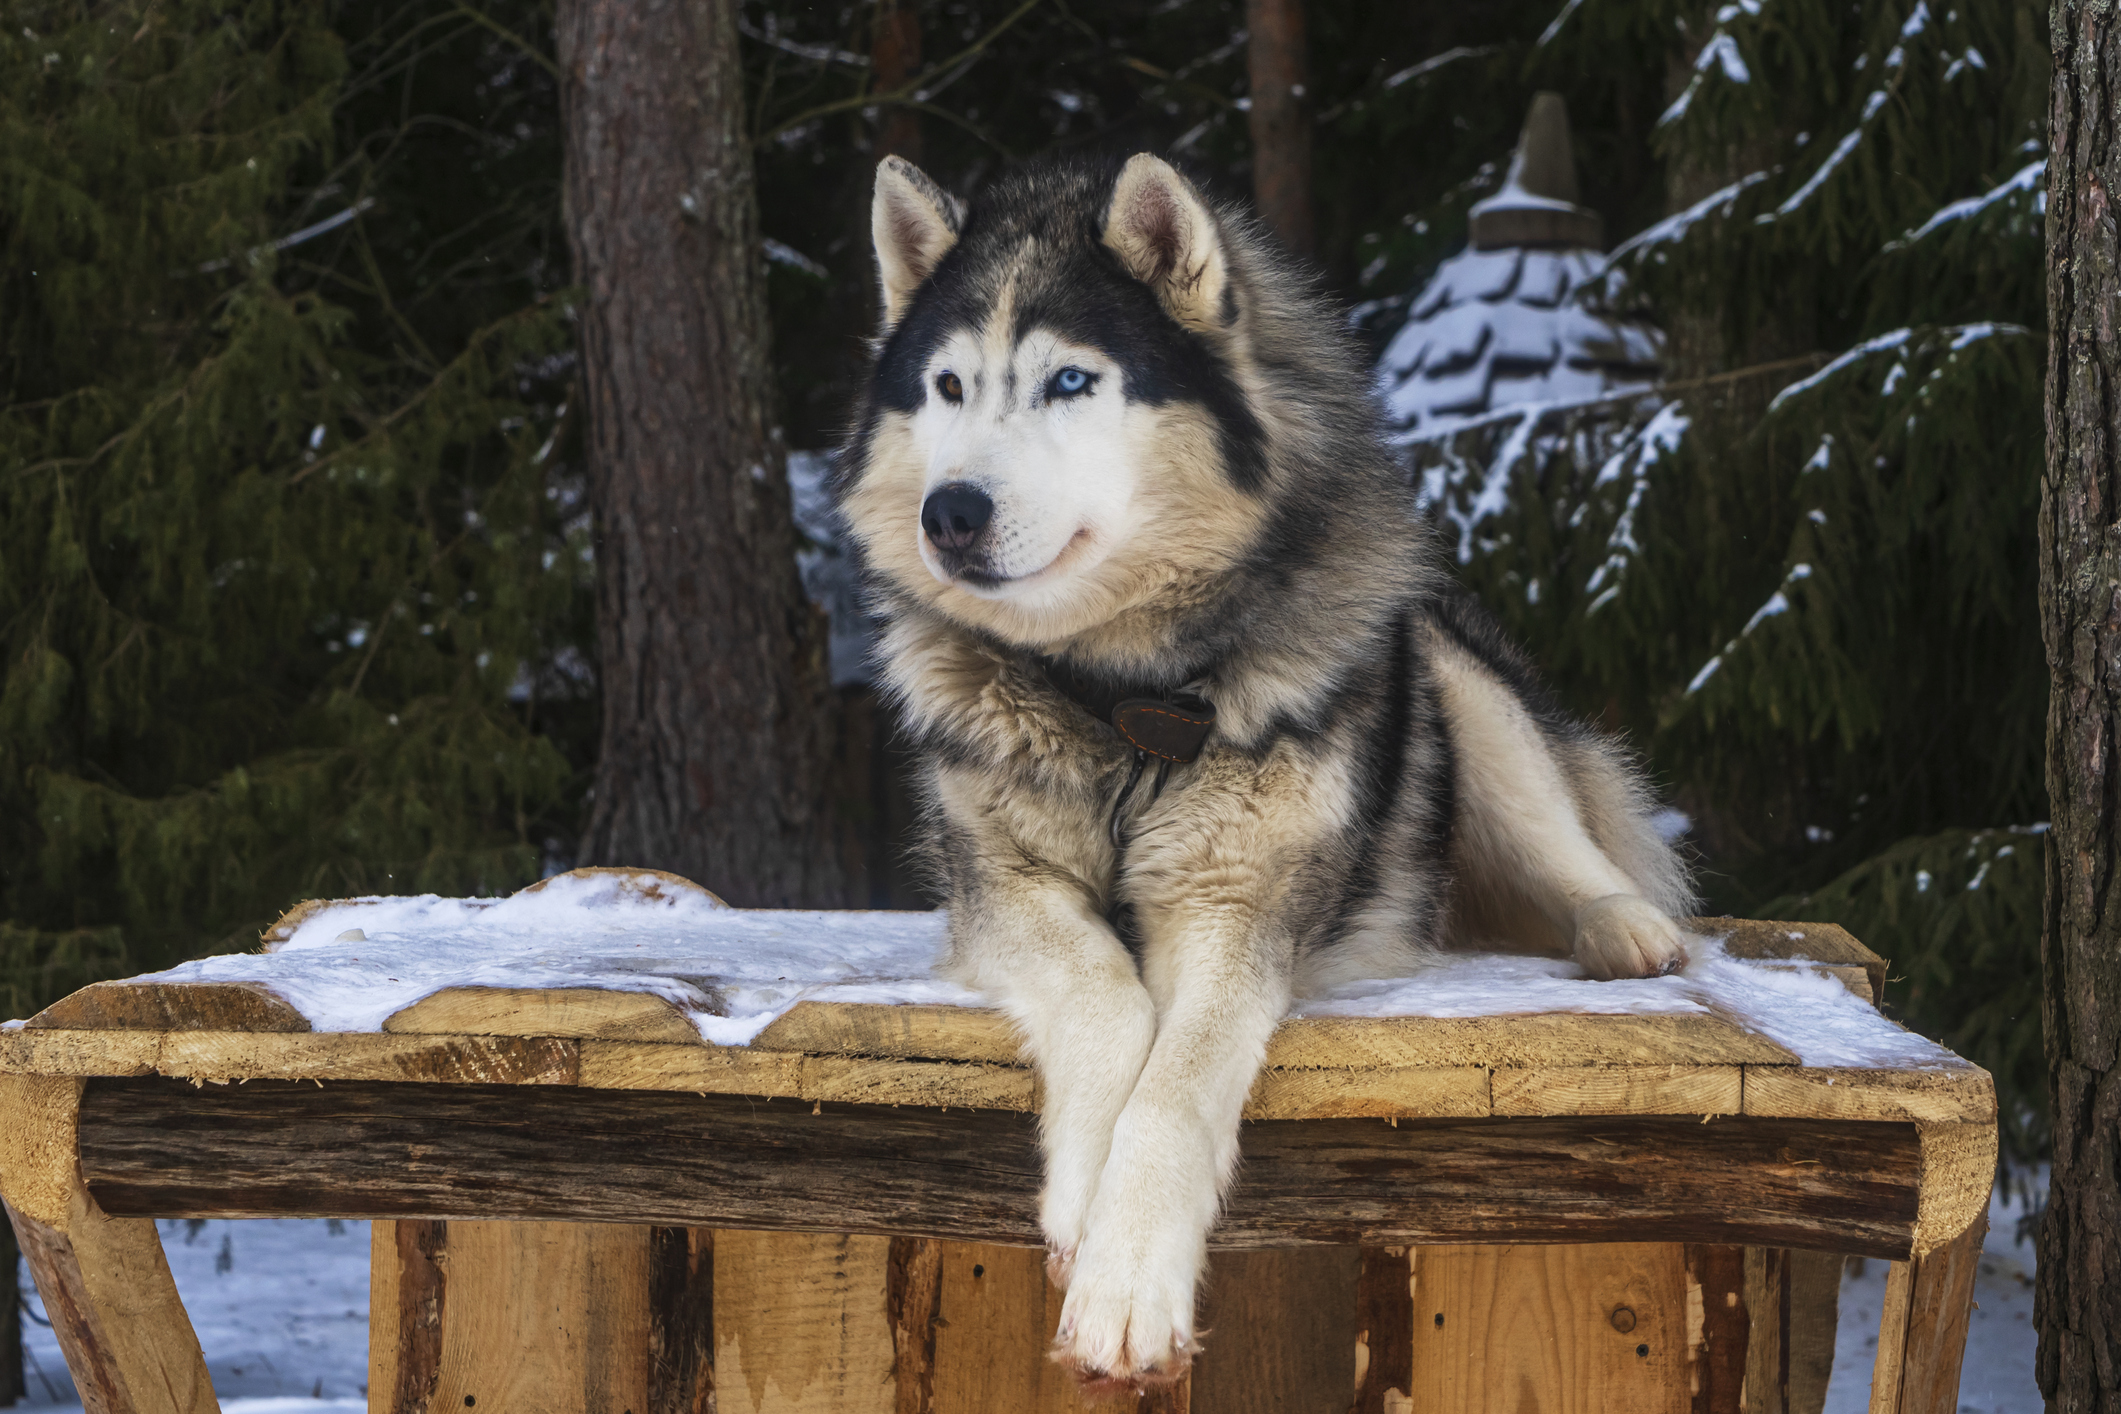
[[1166, 235], [914, 223]]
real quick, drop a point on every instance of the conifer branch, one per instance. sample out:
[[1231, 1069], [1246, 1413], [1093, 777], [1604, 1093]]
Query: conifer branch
[[478, 17], [904, 95]]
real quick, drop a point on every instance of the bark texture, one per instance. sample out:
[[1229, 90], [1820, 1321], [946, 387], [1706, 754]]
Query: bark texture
[[2078, 1297], [1280, 120], [895, 58], [716, 755]]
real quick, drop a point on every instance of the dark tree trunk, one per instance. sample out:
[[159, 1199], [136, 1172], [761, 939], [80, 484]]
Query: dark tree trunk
[[2078, 1298], [895, 57], [1280, 120], [12, 1387], [715, 759]]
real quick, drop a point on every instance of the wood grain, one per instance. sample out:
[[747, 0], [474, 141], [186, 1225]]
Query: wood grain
[[1960, 1094], [222, 1056], [165, 1148], [1384, 1330], [1923, 1333], [1719, 1336], [171, 1006], [546, 1011], [801, 1325], [1498, 1330], [997, 1318], [1549, 1039], [1279, 1327], [1620, 1089], [681, 1320], [913, 1304], [1403, 1092]]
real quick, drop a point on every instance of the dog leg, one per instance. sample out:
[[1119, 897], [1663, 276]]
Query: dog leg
[[1129, 1316], [1075, 994], [1521, 832]]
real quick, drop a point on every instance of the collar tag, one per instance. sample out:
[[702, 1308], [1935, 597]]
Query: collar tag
[[1164, 729]]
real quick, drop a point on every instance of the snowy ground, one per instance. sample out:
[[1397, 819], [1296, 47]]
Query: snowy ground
[[281, 1307]]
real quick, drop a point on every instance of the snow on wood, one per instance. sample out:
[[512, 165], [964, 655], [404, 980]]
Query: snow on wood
[[351, 965]]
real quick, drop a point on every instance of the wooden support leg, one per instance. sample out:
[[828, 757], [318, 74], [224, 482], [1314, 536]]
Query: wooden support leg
[[1719, 1327], [1793, 1301], [105, 1282], [800, 1324], [1922, 1334], [1384, 1330]]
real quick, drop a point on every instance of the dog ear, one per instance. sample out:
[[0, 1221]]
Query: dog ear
[[1168, 238], [914, 223]]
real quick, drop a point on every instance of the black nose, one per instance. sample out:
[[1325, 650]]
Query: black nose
[[955, 515]]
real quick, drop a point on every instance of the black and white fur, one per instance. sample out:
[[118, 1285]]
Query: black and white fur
[[1109, 424]]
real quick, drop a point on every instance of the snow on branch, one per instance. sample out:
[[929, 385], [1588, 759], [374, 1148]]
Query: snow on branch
[[2031, 177], [1961, 336], [1674, 227]]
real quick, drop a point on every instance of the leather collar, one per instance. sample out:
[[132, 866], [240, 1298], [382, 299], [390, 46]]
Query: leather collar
[[1172, 726]]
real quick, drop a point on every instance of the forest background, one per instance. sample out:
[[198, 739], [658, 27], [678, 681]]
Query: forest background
[[298, 549]]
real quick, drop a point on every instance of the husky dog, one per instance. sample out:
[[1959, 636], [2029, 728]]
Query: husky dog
[[1204, 728]]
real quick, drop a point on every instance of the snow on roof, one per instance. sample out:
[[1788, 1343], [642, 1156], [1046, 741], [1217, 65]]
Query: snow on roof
[[350, 964], [1496, 328]]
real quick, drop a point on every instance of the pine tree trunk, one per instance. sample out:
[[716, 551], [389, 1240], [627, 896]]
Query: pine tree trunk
[[894, 59], [2078, 1297], [1280, 120], [715, 759]]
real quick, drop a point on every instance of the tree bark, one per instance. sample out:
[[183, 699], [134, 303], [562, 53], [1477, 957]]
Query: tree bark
[[2078, 1296], [895, 57], [1280, 120], [716, 750]]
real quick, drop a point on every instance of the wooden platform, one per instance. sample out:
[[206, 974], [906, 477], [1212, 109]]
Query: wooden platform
[[583, 1206]]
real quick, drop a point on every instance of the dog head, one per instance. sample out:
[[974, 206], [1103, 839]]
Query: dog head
[[1063, 424]]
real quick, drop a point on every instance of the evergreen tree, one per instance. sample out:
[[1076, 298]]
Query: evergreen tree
[[1802, 574], [284, 559]]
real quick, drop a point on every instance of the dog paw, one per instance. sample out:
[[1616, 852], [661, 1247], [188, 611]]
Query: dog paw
[[1621, 935], [1125, 1328]]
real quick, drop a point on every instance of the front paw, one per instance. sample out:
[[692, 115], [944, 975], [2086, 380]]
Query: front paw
[[1621, 935], [1127, 1325]]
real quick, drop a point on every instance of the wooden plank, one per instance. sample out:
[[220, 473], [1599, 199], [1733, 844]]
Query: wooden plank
[[382, 1315], [1718, 1327], [546, 1011], [1551, 1039], [105, 1281], [1620, 1090], [222, 1056], [996, 1321], [1962, 1094], [801, 1325], [1279, 1331], [856, 1080], [1397, 1092], [1822, 942], [545, 1318], [702, 1069], [156, 1147], [171, 1006], [1928, 1304], [680, 1320], [924, 1032], [913, 1305], [1810, 1330], [408, 1297], [1564, 1330], [1384, 1330]]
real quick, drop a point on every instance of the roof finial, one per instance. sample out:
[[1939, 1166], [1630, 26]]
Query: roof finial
[[1537, 205]]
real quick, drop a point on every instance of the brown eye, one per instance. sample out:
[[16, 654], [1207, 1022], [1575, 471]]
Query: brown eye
[[952, 390]]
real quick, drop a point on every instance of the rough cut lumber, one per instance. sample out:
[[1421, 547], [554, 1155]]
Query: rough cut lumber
[[156, 1147], [1280, 1332], [545, 1011], [1397, 1092], [1620, 1090], [1963, 1094], [1384, 1330], [680, 1320], [1958, 1176], [171, 1006], [800, 1324], [924, 1032], [1719, 1327], [1922, 1335], [1549, 1039], [221, 1056], [1828, 943], [1569, 1329], [106, 1285]]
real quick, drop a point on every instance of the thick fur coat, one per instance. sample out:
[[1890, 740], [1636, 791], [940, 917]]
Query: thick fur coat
[[1113, 437]]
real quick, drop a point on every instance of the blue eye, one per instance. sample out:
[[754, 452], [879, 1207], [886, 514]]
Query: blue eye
[[1069, 383]]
